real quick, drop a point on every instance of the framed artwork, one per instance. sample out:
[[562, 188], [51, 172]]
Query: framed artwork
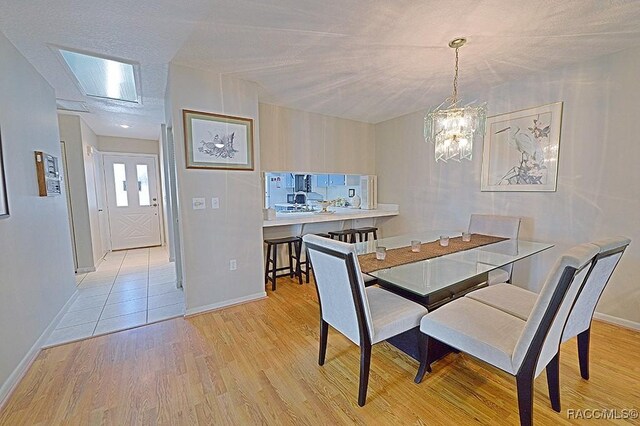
[[216, 141], [4, 203], [521, 150]]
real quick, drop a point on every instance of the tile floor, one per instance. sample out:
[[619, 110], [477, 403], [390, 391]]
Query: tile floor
[[128, 289]]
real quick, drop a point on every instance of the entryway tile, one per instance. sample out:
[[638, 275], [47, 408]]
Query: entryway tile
[[124, 308], [165, 312], [69, 334], [120, 323], [88, 302], [129, 289], [121, 296], [79, 317], [166, 299]]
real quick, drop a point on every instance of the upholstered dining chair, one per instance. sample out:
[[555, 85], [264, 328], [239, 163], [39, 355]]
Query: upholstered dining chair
[[497, 226], [518, 347], [365, 315], [519, 302]]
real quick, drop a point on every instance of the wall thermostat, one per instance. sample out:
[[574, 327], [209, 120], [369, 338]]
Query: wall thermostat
[[48, 172]]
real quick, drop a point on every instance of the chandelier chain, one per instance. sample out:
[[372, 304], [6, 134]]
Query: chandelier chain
[[455, 81]]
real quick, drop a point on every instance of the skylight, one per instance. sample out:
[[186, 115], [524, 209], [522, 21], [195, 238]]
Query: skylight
[[102, 78]]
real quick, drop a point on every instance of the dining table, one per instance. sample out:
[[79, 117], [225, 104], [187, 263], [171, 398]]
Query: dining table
[[438, 280]]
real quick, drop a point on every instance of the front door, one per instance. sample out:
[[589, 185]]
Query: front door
[[132, 200]]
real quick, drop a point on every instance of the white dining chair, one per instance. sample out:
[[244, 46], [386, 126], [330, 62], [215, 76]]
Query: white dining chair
[[518, 347], [497, 226], [365, 315], [519, 302]]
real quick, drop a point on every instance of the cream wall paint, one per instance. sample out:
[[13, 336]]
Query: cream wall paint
[[210, 238], [91, 169], [71, 134], [131, 145], [36, 266], [293, 140], [84, 192], [598, 193]]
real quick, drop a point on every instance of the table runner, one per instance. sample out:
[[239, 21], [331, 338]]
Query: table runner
[[403, 255]]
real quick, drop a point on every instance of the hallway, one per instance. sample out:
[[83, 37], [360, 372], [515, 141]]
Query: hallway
[[129, 289]]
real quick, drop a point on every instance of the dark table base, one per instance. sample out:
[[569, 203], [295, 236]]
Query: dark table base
[[407, 342]]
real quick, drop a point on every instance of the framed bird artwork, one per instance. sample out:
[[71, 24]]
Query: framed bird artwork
[[521, 150]]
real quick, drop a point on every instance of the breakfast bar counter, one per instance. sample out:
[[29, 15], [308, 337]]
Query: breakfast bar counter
[[339, 214]]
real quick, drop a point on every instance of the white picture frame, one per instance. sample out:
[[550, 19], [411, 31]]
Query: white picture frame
[[521, 150]]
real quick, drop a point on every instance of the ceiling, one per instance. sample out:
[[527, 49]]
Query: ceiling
[[368, 60]]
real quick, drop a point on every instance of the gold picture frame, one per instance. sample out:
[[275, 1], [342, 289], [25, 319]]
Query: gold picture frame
[[217, 141]]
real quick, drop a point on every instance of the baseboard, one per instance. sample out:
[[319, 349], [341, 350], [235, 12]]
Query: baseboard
[[85, 270], [215, 306], [617, 321], [18, 373]]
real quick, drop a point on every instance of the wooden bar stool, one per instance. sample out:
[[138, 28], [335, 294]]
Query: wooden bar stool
[[294, 245], [363, 233], [305, 266], [345, 235]]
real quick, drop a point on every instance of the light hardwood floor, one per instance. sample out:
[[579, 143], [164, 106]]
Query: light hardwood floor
[[257, 364]]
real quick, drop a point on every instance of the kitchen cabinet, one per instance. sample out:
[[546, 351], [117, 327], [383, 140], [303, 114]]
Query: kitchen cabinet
[[288, 180], [322, 181], [336, 180]]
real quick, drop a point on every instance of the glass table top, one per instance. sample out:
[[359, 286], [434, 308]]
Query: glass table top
[[428, 276]]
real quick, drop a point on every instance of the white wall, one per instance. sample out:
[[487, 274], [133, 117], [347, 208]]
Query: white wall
[[71, 134], [210, 238], [91, 169], [129, 145], [598, 193], [78, 137], [36, 267], [293, 140]]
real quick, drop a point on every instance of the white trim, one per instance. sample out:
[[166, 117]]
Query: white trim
[[617, 321], [225, 304], [18, 373], [85, 270]]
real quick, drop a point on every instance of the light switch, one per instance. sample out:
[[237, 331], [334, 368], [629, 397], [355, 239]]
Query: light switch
[[199, 203], [215, 203]]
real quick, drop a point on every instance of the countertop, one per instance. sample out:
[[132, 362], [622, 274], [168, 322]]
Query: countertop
[[281, 219]]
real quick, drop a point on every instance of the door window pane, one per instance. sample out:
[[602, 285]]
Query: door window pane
[[120, 178], [143, 185]]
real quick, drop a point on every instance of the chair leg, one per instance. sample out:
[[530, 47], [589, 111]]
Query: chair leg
[[583, 352], [324, 332], [291, 248], [307, 260], [266, 265], [553, 382], [298, 248], [425, 365], [524, 382], [365, 363], [274, 255]]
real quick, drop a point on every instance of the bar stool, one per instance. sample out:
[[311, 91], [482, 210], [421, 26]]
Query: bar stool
[[363, 233], [305, 266], [345, 235], [294, 245]]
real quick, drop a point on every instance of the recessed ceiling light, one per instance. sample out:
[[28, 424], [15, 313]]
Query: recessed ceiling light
[[101, 77], [125, 126]]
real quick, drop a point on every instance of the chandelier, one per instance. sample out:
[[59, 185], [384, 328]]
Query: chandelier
[[453, 129]]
